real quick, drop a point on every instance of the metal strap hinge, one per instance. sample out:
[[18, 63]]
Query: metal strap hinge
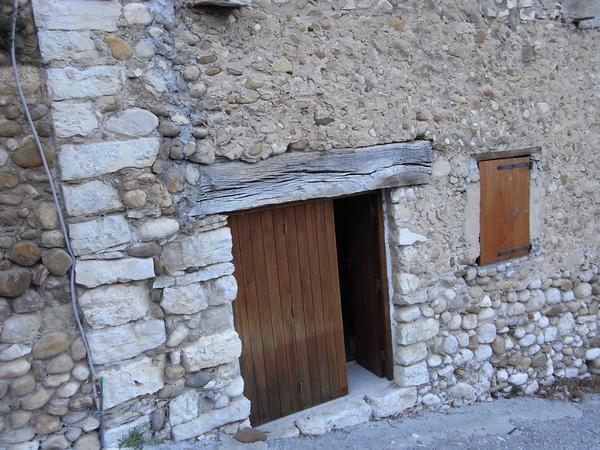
[[510, 251], [521, 165]]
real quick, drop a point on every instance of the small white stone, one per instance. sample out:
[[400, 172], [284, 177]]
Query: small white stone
[[486, 333], [483, 352], [592, 354], [192, 175], [407, 283], [407, 313], [137, 14], [156, 229], [431, 400], [518, 379], [463, 391], [407, 237]]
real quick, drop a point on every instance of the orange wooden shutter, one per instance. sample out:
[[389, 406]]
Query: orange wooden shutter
[[504, 207]]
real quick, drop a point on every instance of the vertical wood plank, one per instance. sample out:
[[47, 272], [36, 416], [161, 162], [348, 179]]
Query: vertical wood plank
[[307, 303], [241, 323], [329, 300], [297, 299], [274, 300], [269, 350], [318, 300], [261, 412], [285, 292]]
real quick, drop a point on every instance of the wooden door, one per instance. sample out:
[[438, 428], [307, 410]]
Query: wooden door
[[288, 311], [363, 281]]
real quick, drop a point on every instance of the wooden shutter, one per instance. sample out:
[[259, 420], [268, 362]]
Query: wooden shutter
[[504, 209], [288, 311]]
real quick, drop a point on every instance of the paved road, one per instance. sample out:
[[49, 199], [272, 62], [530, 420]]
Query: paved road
[[520, 423], [526, 423]]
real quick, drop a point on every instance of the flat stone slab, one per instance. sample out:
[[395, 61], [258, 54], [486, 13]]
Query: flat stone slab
[[335, 415], [391, 401]]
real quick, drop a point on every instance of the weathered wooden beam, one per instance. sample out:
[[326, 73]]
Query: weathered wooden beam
[[229, 3], [234, 186]]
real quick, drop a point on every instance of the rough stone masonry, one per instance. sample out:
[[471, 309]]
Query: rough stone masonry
[[133, 99]]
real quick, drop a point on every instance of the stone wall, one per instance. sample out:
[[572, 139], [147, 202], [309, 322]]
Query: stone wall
[[142, 95]]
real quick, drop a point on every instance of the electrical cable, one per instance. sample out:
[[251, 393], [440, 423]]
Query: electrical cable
[[97, 383]]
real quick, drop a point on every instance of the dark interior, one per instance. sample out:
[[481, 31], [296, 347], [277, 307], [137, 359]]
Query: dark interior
[[359, 240]]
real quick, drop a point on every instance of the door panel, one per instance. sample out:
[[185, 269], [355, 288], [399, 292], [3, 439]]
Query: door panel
[[288, 309]]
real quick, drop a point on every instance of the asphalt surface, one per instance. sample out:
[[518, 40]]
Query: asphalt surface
[[527, 423], [520, 423]]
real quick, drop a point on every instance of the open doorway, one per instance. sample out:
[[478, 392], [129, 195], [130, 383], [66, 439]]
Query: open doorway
[[360, 242], [299, 320]]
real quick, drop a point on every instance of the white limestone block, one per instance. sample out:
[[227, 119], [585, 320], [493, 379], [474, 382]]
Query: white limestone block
[[99, 234], [130, 380], [114, 344], [114, 305], [92, 197], [91, 160], [420, 330], [415, 375], [211, 351], [408, 355], [91, 273], [133, 122], [64, 45], [71, 83], [236, 411], [99, 15], [73, 119], [335, 416], [188, 299], [184, 407], [391, 401], [198, 250]]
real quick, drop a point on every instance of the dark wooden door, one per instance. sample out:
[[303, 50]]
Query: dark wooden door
[[363, 281], [288, 311]]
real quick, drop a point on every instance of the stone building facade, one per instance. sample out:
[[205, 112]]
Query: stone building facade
[[134, 99]]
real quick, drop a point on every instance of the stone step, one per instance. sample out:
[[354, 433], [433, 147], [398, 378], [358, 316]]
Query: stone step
[[345, 412]]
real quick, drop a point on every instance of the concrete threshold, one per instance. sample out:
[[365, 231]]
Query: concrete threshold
[[369, 397]]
